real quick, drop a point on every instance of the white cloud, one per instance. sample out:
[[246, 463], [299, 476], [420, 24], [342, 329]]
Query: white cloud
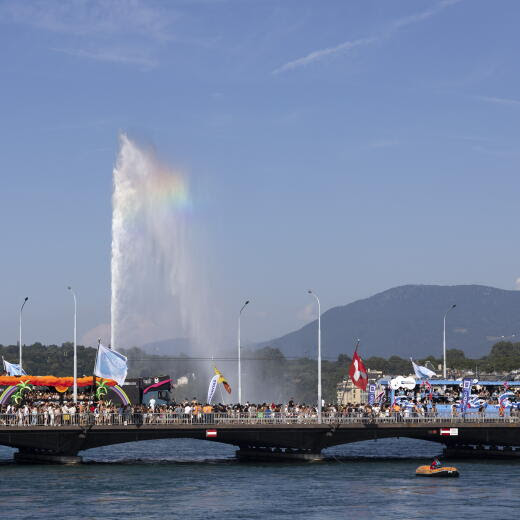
[[91, 17], [128, 32], [318, 55], [394, 27], [424, 15], [500, 101], [112, 55]]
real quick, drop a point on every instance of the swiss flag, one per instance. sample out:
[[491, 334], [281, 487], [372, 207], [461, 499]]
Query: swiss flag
[[358, 372]]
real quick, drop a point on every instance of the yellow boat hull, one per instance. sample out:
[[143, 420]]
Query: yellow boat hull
[[442, 472]]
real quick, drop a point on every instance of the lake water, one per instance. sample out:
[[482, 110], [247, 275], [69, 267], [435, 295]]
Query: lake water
[[192, 479]]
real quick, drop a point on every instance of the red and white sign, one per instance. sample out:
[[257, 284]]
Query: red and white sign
[[211, 433], [449, 431]]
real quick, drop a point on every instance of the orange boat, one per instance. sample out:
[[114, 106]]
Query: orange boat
[[442, 472]]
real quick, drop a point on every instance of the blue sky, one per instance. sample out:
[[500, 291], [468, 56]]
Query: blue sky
[[344, 146]]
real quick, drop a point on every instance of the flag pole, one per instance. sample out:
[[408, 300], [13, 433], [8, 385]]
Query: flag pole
[[319, 354], [94, 373], [20, 335]]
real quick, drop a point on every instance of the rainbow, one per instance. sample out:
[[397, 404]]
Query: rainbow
[[121, 394], [169, 190], [6, 394], [161, 187]]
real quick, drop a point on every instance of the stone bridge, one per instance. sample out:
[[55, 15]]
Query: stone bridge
[[267, 439]]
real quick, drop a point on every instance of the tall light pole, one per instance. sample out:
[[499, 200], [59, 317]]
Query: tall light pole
[[239, 365], [319, 355], [444, 339], [75, 375], [20, 337]]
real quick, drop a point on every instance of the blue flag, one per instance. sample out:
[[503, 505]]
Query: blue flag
[[13, 369], [422, 372], [111, 365]]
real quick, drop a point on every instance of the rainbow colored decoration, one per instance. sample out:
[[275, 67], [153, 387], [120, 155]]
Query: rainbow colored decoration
[[121, 394], [6, 395], [51, 381]]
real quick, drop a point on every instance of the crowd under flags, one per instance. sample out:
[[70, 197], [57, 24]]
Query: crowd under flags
[[13, 369], [422, 372], [111, 365], [357, 371]]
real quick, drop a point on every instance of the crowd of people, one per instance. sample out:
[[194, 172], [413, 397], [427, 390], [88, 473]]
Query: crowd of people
[[45, 408]]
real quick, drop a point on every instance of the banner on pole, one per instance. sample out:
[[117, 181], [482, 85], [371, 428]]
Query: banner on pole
[[466, 391], [212, 387], [371, 394]]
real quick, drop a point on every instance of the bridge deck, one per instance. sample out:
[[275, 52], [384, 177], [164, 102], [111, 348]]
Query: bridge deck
[[75, 434]]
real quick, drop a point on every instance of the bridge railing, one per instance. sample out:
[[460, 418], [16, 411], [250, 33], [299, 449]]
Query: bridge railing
[[214, 419]]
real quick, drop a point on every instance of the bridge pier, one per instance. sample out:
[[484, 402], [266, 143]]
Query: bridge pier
[[251, 453], [29, 456]]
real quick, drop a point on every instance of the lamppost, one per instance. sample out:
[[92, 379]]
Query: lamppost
[[319, 355], [444, 339], [20, 337], [75, 375], [239, 365]]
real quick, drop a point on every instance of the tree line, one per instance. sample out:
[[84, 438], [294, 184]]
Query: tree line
[[267, 374]]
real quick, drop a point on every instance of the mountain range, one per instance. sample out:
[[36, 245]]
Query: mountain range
[[408, 321]]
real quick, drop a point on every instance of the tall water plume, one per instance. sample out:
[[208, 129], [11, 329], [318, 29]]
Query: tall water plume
[[154, 291]]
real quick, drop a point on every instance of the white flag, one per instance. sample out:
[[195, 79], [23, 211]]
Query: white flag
[[212, 387], [13, 369], [111, 365], [422, 372]]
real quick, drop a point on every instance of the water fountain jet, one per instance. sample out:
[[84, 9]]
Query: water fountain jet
[[153, 292]]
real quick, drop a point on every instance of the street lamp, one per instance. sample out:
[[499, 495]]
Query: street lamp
[[75, 375], [444, 339], [20, 337], [239, 365], [319, 355]]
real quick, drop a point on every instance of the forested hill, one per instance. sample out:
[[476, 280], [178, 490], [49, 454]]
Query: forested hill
[[407, 321]]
